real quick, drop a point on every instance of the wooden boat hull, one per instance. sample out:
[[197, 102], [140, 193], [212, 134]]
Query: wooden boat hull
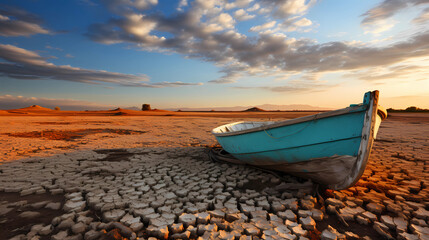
[[331, 148]]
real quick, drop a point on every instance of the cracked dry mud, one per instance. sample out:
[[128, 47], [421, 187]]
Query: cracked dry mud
[[169, 189]]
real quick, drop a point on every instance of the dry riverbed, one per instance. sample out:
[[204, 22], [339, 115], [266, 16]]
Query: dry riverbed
[[150, 177]]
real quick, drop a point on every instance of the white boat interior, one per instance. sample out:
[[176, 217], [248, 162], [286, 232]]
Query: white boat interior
[[239, 126]]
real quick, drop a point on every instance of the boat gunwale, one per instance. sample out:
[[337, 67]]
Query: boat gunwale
[[293, 121]]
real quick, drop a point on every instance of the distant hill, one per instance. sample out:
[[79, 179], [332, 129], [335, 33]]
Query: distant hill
[[408, 109], [291, 107], [266, 107], [3, 112], [139, 109], [254, 109], [34, 108], [133, 108]]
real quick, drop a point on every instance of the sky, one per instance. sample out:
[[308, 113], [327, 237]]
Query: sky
[[93, 54]]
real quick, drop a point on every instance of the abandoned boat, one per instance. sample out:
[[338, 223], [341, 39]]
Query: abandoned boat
[[331, 148]]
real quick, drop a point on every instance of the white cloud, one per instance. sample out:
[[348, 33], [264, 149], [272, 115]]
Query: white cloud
[[263, 26], [182, 4], [134, 27], [382, 11], [286, 8], [300, 87], [139, 26], [16, 22], [211, 28], [263, 11], [15, 54], [237, 4], [143, 4], [127, 6], [416, 69], [380, 18], [205, 4], [24, 64], [255, 7], [423, 17], [242, 15], [292, 7], [225, 20], [4, 18], [303, 22], [379, 26], [295, 24]]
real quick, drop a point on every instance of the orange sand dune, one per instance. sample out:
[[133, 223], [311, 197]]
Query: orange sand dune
[[3, 112], [35, 109]]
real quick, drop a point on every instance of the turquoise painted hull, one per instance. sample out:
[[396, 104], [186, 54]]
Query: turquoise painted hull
[[301, 147], [299, 142]]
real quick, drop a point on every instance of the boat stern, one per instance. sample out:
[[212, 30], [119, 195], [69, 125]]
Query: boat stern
[[374, 115]]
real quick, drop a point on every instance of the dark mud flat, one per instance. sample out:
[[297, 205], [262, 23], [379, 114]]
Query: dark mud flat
[[115, 155], [354, 227], [72, 134], [54, 123], [412, 118], [12, 205], [70, 123]]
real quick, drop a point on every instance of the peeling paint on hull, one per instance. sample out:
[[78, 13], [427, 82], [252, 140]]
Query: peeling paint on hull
[[326, 171]]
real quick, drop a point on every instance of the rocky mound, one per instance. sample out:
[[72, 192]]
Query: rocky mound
[[254, 109], [121, 111], [3, 112], [34, 108]]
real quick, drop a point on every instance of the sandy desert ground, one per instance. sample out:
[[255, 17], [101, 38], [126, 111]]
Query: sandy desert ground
[[123, 176]]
